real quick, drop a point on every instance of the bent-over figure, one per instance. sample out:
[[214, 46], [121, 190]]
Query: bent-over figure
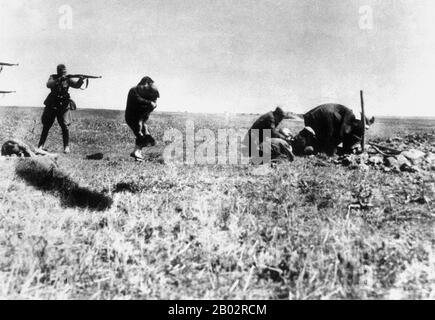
[[141, 101], [334, 124], [269, 121]]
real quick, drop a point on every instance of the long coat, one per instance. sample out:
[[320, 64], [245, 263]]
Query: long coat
[[333, 124]]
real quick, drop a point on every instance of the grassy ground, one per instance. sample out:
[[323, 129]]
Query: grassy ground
[[116, 229]]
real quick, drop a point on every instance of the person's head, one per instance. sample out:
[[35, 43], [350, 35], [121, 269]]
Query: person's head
[[61, 70], [278, 114], [147, 89], [146, 81], [305, 139], [354, 132]]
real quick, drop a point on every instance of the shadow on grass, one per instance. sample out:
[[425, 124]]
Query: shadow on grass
[[127, 187], [44, 175], [154, 156]]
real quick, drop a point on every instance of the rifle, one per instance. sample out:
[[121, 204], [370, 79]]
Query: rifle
[[2, 64], [8, 64], [84, 76], [69, 76]]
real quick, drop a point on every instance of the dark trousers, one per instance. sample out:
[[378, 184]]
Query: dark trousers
[[63, 117]]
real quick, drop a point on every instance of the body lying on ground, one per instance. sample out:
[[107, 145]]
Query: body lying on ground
[[20, 149], [280, 149]]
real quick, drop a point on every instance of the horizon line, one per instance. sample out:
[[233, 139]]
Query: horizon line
[[222, 112]]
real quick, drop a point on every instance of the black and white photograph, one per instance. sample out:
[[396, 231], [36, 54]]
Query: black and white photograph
[[234, 151]]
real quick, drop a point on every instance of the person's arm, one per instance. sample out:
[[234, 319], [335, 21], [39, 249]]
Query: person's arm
[[76, 84], [143, 103], [346, 124], [274, 131], [51, 83], [148, 107], [139, 99], [277, 134]]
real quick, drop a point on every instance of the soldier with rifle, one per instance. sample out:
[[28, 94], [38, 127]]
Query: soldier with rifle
[[2, 64], [58, 104]]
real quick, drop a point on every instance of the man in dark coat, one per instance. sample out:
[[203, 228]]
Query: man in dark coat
[[141, 101], [270, 121], [58, 105], [334, 124]]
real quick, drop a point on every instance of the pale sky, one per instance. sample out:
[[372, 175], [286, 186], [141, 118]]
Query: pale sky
[[226, 55]]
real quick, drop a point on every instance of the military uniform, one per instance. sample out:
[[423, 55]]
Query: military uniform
[[57, 106]]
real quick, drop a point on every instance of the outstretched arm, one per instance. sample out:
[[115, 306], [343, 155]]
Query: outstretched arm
[[267, 122], [76, 84], [275, 132]]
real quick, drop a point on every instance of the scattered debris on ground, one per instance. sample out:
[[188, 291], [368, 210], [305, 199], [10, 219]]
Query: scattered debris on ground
[[95, 156], [412, 153]]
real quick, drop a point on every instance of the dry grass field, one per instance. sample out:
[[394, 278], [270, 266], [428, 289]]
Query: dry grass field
[[118, 229]]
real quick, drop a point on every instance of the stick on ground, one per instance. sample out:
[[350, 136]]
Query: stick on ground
[[394, 151], [363, 119]]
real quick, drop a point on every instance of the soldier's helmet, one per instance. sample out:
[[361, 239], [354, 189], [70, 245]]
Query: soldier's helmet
[[60, 68]]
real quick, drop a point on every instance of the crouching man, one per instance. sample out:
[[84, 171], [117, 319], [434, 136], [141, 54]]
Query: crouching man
[[269, 121]]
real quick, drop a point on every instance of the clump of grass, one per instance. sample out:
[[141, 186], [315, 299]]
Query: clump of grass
[[122, 230]]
